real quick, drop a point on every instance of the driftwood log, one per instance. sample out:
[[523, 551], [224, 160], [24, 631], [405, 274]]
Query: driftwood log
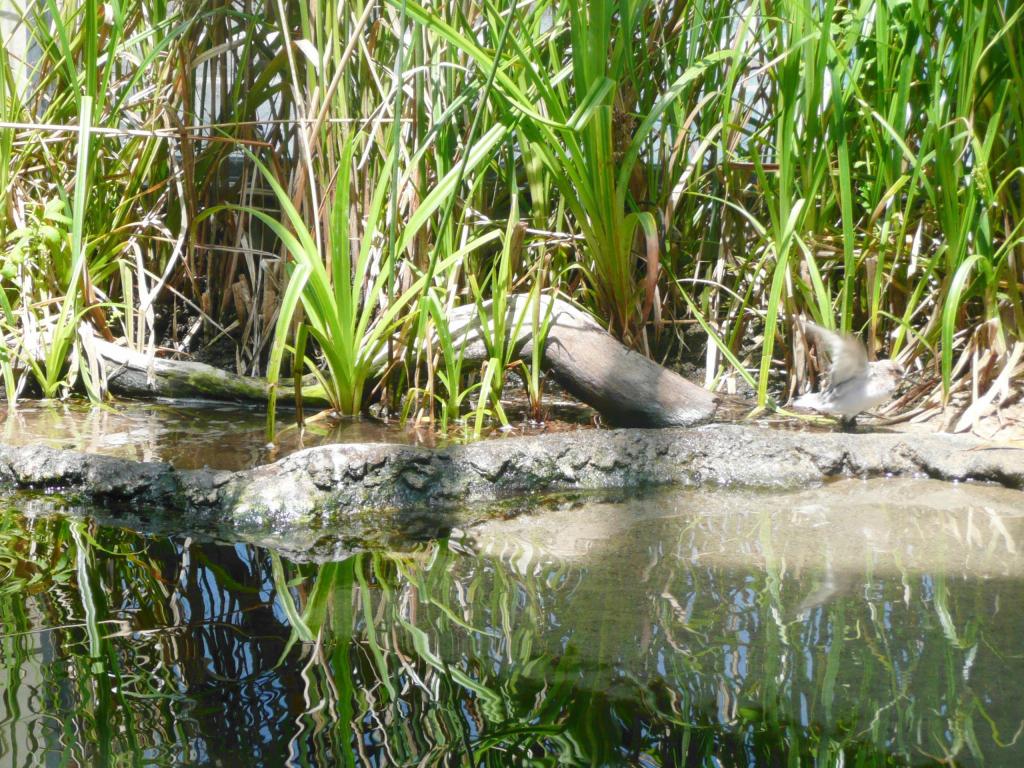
[[625, 387], [318, 503], [136, 374]]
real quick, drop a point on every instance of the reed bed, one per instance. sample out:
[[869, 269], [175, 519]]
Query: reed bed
[[318, 183]]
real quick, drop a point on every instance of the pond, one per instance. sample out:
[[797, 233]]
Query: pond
[[187, 434], [862, 623], [199, 433]]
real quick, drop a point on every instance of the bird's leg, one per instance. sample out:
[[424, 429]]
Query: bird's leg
[[848, 424]]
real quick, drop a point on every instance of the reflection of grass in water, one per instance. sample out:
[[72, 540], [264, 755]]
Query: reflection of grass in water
[[58, 575], [526, 699], [439, 657], [901, 685]]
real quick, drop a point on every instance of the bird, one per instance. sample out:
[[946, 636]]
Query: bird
[[855, 384]]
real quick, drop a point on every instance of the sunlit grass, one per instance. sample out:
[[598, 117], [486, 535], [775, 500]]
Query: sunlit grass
[[692, 161]]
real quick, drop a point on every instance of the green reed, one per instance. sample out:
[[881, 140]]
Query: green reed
[[676, 162]]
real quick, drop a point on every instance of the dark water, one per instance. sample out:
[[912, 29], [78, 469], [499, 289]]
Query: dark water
[[860, 624]]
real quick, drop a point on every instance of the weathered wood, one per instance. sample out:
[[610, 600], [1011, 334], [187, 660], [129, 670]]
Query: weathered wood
[[136, 374], [625, 387]]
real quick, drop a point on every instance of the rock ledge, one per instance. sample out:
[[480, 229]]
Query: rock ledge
[[361, 489]]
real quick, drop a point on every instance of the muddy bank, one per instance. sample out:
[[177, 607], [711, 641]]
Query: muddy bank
[[361, 491]]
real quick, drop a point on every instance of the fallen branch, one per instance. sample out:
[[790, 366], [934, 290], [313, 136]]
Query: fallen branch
[[625, 387], [136, 374]]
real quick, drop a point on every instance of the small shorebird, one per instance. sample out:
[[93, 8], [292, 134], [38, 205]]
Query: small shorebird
[[854, 384]]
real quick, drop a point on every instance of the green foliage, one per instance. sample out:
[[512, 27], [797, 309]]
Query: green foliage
[[85, 197], [888, 129], [40, 245], [673, 163]]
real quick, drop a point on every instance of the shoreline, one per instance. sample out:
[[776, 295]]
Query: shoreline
[[360, 491]]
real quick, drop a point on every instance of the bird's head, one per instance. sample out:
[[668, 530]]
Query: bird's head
[[888, 372]]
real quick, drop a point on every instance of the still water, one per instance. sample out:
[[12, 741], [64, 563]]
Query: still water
[[187, 434], [859, 624], [196, 434]]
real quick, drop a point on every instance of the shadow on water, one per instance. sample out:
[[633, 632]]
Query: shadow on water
[[864, 623]]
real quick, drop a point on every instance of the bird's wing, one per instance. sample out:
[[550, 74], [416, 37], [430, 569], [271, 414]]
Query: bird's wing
[[847, 353]]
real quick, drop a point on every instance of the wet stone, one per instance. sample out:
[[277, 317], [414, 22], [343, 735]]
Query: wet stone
[[315, 483]]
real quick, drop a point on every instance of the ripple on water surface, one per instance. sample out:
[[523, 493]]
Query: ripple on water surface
[[861, 623]]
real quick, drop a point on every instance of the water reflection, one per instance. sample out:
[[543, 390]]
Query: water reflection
[[187, 434], [195, 434], [683, 628]]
